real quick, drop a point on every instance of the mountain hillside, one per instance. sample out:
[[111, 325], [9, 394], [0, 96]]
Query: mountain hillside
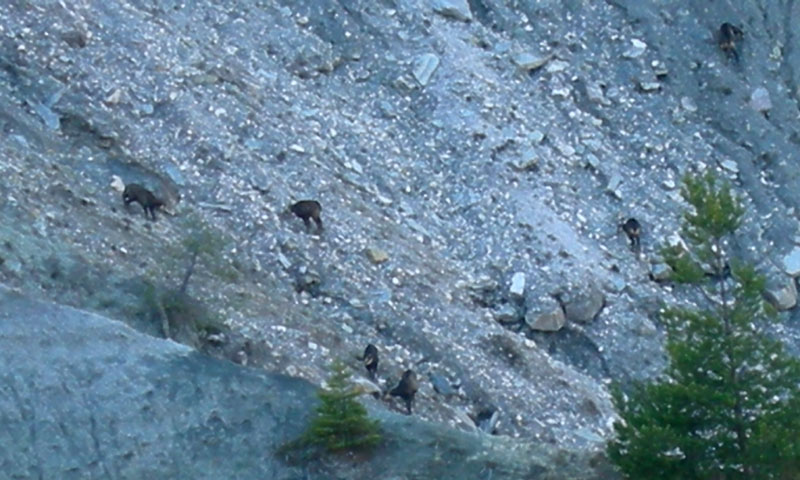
[[473, 159]]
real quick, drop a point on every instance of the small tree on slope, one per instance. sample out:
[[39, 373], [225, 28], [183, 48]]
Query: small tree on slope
[[341, 422], [727, 406]]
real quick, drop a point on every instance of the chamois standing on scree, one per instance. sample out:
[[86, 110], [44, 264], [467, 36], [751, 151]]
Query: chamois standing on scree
[[136, 193], [407, 388], [370, 359], [729, 34], [308, 210], [633, 230]]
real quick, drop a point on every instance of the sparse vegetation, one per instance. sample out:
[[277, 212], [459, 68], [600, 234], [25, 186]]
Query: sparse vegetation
[[726, 405], [182, 316]]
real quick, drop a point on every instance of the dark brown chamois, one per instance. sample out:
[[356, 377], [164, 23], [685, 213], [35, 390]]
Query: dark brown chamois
[[407, 388], [308, 210], [729, 34], [370, 359], [137, 193], [633, 230]]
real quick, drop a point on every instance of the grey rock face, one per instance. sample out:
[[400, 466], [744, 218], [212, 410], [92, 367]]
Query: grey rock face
[[125, 405]]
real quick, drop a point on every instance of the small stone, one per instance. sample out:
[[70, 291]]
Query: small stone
[[148, 109], [660, 272], [517, 288], [649, 86], [506, 314], [424, 67], [75, 38], [613, 184], [285, 263], [117, 183], [557, 66], [791, 262], [730, 165], [240, 357], [637, 49], [566, 149], [562, 92], [355, 166], [362, 385], [376, 255], [536, 137], [530, 61], [115, 97], [592, 160], [441, 384], [528, 160], [688, 104], [659, 69], [760, 101], [595, 92]]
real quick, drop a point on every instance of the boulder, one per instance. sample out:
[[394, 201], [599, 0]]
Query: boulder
[[545, 315], [760, 100], [376, 255], [791, 262], [582, 305], [457, 9], [781, 292], [507, 314]]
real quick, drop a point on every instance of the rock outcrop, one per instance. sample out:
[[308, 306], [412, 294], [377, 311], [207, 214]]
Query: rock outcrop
[[89, 397]]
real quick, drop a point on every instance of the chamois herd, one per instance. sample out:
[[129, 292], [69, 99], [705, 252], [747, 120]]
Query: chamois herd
[[311, 210]]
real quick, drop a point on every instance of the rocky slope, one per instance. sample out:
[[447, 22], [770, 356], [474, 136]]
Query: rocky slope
[[96, 399], [473, 160]]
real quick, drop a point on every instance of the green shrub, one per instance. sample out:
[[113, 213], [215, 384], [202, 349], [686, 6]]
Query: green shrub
[[726, 407], [341, 422]]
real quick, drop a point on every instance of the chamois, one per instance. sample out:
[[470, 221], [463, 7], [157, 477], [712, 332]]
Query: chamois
[[370, 359], [308, 210], [407, 388], [632, 229], [137, 193], [729, 34]]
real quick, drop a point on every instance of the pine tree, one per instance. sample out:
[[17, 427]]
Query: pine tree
[[727, 405], [341, 422]]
